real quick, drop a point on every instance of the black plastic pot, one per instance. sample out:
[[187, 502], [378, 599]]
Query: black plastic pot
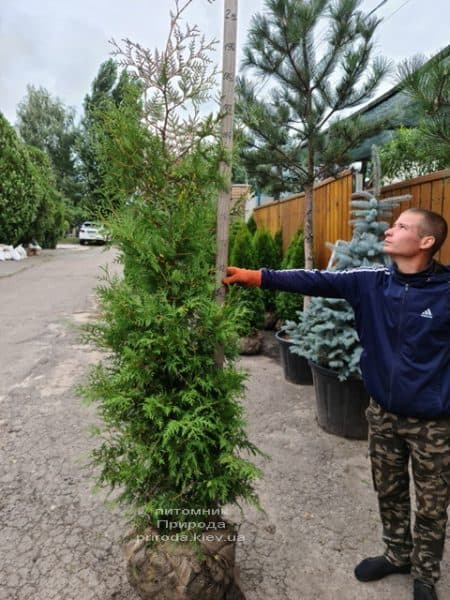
[[296, 368], [341, 405]]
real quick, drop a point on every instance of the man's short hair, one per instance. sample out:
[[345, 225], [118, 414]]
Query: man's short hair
[[432, 224]]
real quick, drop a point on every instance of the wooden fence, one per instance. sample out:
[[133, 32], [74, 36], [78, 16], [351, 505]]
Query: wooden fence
[[331, 213]]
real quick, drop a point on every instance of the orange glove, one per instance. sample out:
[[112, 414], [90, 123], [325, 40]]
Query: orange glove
[[245, 276]]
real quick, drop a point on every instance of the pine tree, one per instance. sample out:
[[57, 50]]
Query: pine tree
[[294, 134], [325, 332], [428, 84]]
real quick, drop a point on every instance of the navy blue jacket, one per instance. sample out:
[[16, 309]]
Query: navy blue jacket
[[403, 323]]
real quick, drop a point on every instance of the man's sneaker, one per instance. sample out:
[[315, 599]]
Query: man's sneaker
[[424, 591], [377, 567]]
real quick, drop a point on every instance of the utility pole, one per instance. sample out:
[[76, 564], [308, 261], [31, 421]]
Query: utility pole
[[227, 110]]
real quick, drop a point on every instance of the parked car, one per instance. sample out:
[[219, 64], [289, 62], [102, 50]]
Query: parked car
[[91, 232]]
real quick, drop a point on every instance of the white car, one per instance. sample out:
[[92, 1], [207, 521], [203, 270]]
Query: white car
[[92, 232]]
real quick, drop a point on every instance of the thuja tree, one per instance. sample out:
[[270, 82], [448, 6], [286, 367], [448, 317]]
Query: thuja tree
[[325, 332], [278, 243], [252, 226], [315, 58], [173, 425], [174, 433], [287, 305], [250, 299], [266, 256]]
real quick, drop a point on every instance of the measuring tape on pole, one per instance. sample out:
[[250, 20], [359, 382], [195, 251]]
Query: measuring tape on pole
[[227, 110]]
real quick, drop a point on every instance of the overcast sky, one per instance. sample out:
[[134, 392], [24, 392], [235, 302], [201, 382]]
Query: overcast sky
[[60, 44]]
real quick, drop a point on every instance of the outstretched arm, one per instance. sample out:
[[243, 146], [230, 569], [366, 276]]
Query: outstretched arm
[[330, 284]]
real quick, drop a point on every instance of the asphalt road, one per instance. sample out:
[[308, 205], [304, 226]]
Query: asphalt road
[[60, 541], [57, 538]]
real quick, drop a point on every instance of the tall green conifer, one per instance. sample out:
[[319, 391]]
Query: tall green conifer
[[174, 431]]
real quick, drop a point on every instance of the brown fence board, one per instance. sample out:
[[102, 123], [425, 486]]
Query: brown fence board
[[444, 254], [331, 213]]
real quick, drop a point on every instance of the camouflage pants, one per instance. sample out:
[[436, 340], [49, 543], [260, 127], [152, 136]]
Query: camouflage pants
[[393, 440]]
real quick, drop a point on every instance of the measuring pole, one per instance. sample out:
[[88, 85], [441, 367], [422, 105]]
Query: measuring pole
[[227, 109]]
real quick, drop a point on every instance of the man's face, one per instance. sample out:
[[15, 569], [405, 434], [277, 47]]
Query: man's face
[[403, 238]]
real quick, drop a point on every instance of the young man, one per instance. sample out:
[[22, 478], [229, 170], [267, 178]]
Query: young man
[[402, 316]]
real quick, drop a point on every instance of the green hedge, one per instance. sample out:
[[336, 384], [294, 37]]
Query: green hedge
[[18, 187], [30, 205]]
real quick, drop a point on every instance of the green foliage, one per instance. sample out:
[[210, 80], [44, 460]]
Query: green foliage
[[295, 253], [428, 84], [174, 430], [53, 216], [294, 136], [235, 226], [238, 170], [30, 205], [252, 226], [266, 256], [287, 305], [46, 123], [265, 251], [409, 154], [110, 90], [120, 124], [325, 332], [242, 254], [18, 202], [278, 243]]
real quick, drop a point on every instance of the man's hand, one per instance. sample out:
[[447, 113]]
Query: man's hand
[[245, 276]]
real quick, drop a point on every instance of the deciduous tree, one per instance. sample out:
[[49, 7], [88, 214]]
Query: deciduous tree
[[112, 87], [409, 154], [46, 123]]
